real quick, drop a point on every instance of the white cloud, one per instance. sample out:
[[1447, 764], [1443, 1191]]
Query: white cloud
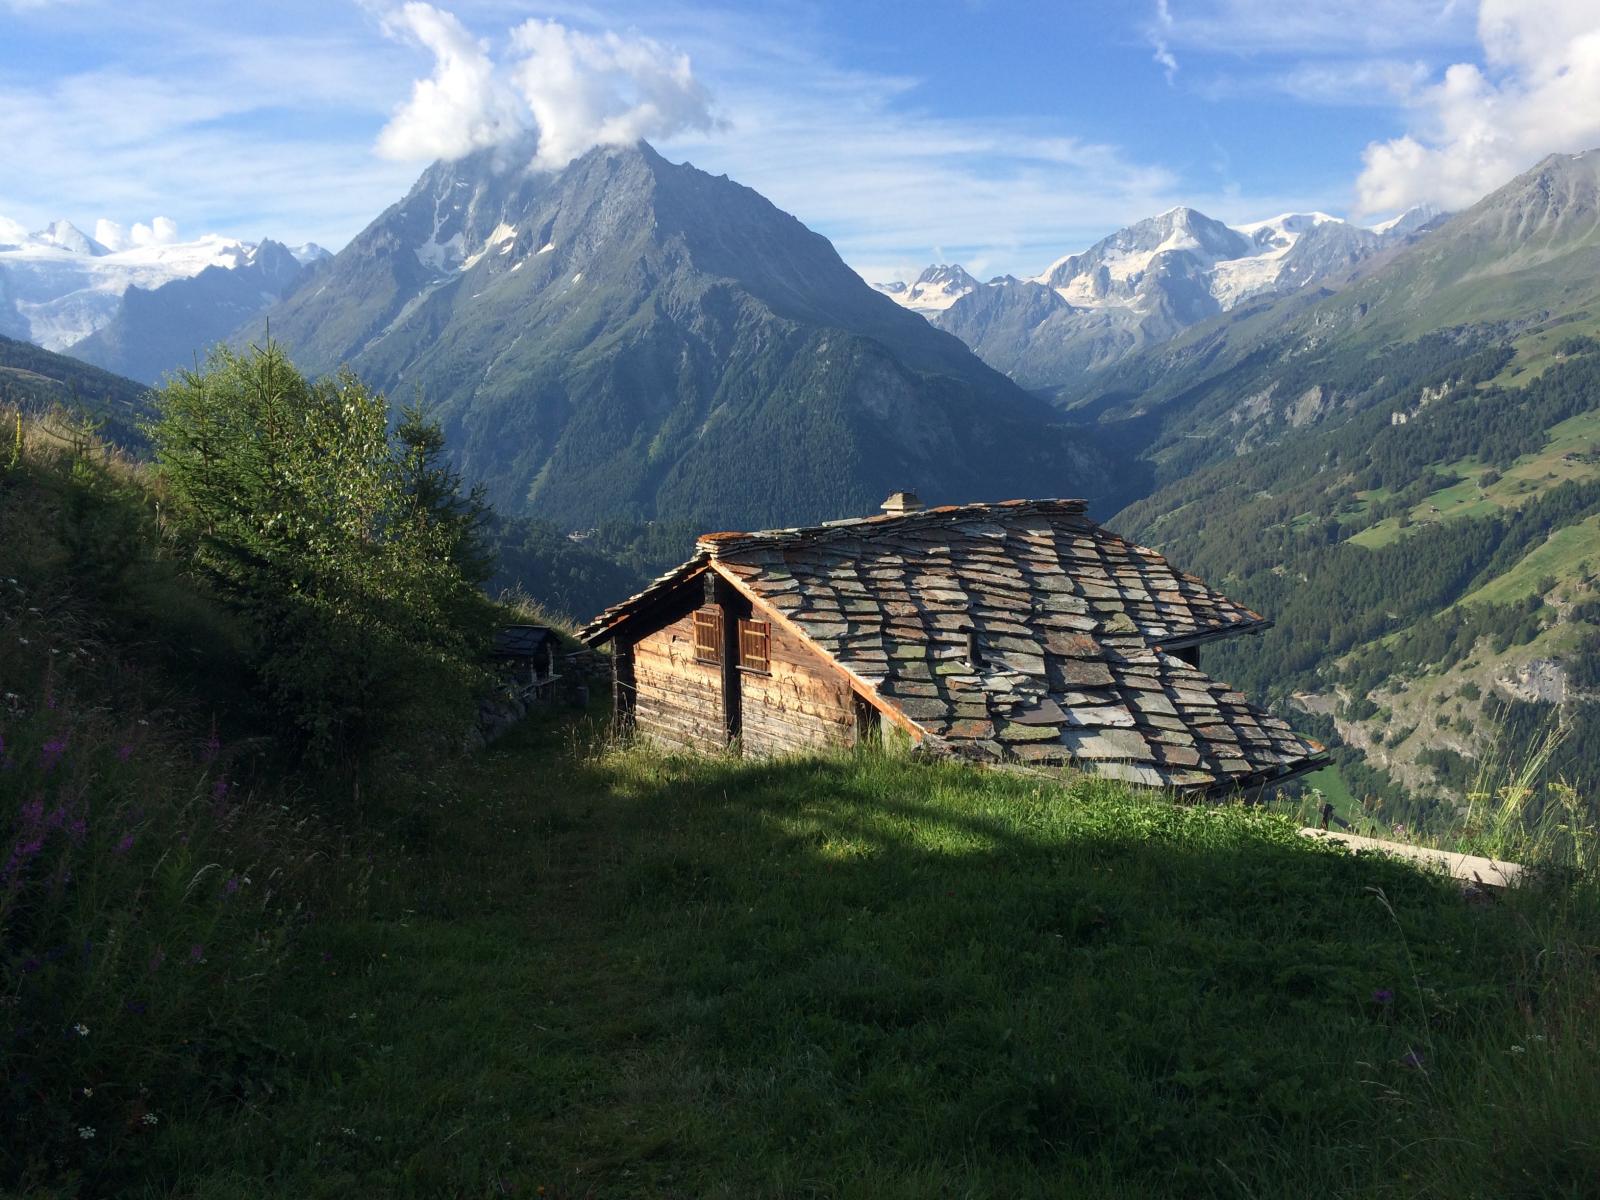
[[1159, 39], [463, 106], [1538, 92], [575, 90], [604, 90]]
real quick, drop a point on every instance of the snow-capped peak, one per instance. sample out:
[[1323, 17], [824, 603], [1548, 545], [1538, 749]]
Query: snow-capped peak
[[1406, 222], [310, 252], [936, 289], [67, 236]]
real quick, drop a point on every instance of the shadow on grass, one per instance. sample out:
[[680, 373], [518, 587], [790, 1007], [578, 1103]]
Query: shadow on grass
[[626, 975]]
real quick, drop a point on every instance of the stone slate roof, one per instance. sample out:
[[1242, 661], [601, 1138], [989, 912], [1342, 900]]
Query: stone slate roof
[[521, 641], [1074, 627]]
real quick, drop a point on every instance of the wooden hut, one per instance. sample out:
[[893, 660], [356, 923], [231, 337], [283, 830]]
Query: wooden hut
[[1017, 632], [526, 658]]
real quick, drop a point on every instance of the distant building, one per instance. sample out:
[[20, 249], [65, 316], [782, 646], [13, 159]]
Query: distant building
[[1018, 632]]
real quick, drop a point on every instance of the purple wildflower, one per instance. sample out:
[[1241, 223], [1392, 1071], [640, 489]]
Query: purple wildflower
[[197, 953], [232, 886], [213, 745], [1383, 996], [124, 844], [137, 1007], [1413, 1060], [125, 752], [52, 752], [30, 965], [219, 789], [156, 959]]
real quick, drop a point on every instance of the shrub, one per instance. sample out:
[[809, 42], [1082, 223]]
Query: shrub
[[351, 553]]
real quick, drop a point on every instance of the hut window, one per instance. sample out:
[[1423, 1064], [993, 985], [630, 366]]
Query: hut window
[[755, 646], [708, 635]]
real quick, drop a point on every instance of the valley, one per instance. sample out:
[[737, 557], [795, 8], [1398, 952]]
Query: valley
[[1377, 435]]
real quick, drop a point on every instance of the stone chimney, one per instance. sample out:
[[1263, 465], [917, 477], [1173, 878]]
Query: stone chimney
[[899, 504]]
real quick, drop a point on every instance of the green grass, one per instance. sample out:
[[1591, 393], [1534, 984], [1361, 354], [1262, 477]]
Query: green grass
[[1557, 557], [1335, 791], [614, 975]]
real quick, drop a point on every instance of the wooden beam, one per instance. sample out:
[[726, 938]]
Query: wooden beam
[[624, 691], [733, 605], [1468, 867]]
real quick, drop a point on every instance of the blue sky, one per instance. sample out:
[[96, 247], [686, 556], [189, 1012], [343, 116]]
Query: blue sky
[[994, 132]]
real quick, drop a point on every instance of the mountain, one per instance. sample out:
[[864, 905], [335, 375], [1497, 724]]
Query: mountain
[[171, 326], [935, 290], [1142, 286], [631, 337], [34, 380], [1405, 471], [58, 285], [67, 236]]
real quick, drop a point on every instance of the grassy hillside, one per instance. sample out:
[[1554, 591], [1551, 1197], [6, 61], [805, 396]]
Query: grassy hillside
[[36, 380], [571, 968], [618, 975]]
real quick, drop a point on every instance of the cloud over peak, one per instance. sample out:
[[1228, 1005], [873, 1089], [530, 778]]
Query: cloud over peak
[[572, 90]]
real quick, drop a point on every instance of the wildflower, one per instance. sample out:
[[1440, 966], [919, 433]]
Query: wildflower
[[1383, 996], [213, 744], [124, 844], [88, 1091], [219, 789], [1413, 1060], [86, 1132], [150, 1119], [135, 1007], [156, 959], [1519, 1050], [81, 1029], [197, 953], [232, 886], [52, 751], [125, 752], [22, 641]]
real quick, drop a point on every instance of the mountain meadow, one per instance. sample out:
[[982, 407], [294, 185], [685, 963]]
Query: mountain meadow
[[301, 898]]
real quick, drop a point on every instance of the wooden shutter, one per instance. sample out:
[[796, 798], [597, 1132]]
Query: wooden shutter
[[708, 635], [755, 646]]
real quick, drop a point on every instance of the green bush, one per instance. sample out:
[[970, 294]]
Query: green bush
[[350, 552]]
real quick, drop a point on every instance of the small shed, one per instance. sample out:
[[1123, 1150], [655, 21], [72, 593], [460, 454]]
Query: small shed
[[1018, 632], [526, 656]]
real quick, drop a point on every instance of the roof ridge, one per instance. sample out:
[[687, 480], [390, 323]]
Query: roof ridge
[[719, 544]]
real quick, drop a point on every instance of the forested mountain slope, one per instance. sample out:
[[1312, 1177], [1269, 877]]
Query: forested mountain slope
[[631, 337], [1431, 563], [1523, 265]]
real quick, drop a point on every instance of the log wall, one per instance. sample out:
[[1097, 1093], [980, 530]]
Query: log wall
[[678, 701], [804, 704]]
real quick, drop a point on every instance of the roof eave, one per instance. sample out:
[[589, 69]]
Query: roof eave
[[1203, 636]]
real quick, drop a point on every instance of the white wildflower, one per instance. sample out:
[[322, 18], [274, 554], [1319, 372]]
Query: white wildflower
[[86, 1132], [151, 1119], [81, 1029]]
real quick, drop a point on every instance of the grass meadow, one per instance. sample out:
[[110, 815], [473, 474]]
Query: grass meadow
[[599, 972]]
